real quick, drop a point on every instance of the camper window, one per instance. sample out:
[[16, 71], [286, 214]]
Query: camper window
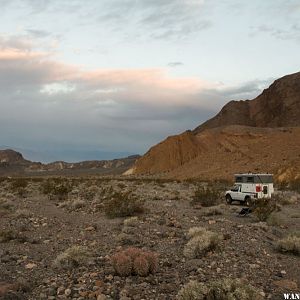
[[239, 179], [250, 179]]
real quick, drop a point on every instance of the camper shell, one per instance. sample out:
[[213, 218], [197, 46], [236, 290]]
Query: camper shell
[[250, 186]]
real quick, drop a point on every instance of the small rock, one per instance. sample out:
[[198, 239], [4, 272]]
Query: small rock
[[30, 266], [68, 292]]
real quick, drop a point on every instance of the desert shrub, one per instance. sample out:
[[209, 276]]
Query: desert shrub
[[77, 203], [10, 235], [72, 257], [134, 261], [206, 196], [225, 289], [275, 220], [122, 205], [6, 236], [295, 185], [212, 211], [290, 244], [131, 222], [263, 208], [22, 213], [201, 241], [18, 186], [17, 183], [56, 188]]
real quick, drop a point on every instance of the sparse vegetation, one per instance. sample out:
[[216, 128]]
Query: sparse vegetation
[[213, 211], [123, 205], [290, 244], [72, 257], [275, 220], [56, 188], [18, 186], [225, 289], [201, 241], [263, 209], [206, 196], [131, 222], [8, 235], [134, 261]]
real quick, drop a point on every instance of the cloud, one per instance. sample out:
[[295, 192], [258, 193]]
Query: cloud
[[36, 33], [290, 33], [175, 64], [50, 104], [161, 19]]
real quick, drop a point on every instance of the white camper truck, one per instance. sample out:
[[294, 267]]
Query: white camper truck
[[249, 187]]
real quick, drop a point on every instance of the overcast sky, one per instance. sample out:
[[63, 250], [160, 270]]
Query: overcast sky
[[82, 79]]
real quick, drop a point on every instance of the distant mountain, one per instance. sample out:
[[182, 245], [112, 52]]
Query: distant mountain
[[260, 135], [13, 162]]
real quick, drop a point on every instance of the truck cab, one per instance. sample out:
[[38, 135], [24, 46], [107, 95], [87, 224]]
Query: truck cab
[[249, 187]]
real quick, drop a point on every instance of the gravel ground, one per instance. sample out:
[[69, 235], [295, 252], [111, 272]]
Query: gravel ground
[[42, 228]]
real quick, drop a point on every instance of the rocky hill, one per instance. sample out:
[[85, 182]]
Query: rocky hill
[[12, 162], [259, 135], [276, 106]]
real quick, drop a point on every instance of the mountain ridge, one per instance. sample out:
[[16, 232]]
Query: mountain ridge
[[13, 162], [236, 139]]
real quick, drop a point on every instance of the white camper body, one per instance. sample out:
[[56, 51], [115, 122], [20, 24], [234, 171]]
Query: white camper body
[[250, 186]]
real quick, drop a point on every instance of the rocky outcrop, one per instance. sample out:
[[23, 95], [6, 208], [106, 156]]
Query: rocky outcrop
[[277, 106]]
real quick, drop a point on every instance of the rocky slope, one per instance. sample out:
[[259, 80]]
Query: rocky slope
[[277, 106], [12, 162], [260, 135]]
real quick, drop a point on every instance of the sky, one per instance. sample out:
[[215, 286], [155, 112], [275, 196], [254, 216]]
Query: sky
[[99, 79]]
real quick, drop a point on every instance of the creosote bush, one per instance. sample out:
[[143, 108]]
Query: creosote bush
[[18, 186], [72, 257], [206, 196], [134, 261], [263, 208], [122, 205], [290, 244], [225, 289], [56, 188], [200, 242], [131, 222], [7, 235]]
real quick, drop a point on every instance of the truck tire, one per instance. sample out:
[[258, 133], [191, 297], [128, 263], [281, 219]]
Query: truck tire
[[247, 201], [228, 199]]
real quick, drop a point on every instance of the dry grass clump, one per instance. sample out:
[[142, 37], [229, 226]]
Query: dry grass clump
[[225, 289], [290, 244], [72, 257], [23, 213], [206, 196], [264, 208], [134, 261], [212, 211], [122, 205], [201, 241], [131, 222]]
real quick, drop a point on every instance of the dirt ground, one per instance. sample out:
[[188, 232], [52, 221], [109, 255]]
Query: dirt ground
[[42, 228]]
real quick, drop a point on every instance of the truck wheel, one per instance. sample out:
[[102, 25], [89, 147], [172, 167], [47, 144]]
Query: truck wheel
[[247, 201], [228, 199]]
